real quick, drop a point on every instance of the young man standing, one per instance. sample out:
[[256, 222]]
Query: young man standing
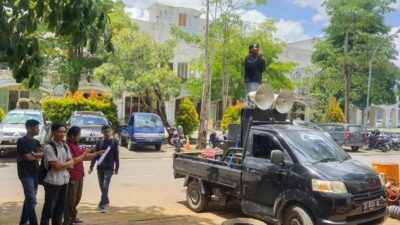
[[28, 153], [254, 66], [77, 173], [107, 164], [57, 178]]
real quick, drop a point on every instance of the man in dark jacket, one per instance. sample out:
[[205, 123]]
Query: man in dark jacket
[[254, 66], [107, 164]]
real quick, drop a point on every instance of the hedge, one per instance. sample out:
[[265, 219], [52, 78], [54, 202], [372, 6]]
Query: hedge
[[60, 109], [231, 116]]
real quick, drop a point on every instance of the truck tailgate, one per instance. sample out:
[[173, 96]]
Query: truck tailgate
[[206, 169]]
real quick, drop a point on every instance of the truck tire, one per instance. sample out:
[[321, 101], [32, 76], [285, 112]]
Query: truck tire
[[354, 148], [130, 146], [196, 201], [296, 215], [158, 147]]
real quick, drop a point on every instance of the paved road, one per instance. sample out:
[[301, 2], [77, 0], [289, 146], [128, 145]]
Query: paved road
[[143, 193]]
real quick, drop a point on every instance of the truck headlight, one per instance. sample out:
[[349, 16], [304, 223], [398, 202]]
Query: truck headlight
[[328, 186]]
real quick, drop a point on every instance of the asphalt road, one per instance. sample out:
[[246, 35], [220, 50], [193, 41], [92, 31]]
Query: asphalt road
[[143, 193]]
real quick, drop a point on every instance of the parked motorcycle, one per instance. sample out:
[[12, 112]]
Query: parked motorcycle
[[178, 138], [377, 141], [215, 141]]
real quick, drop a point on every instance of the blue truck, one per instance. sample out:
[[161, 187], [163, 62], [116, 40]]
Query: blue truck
[[143, 129]]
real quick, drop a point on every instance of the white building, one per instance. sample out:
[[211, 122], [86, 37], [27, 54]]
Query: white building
[[161, 19]]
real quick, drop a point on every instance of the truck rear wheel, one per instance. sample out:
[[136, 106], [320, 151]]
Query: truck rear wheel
[[158, 147], [196, 201], [354, 148], [296, 215]]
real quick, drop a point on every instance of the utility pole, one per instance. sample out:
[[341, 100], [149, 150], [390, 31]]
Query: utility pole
[[202, 135]]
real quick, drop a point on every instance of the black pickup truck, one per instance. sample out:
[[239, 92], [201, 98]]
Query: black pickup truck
[[285, 174]]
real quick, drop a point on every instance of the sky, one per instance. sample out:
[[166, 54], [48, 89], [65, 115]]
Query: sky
[[295, 19]]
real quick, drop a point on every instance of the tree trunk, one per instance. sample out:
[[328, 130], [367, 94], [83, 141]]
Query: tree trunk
[[225, 67], [162, 112], [347, 76], [202, 135]]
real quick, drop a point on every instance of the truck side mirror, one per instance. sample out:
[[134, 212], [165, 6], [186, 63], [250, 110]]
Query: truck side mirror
[[277, 157]]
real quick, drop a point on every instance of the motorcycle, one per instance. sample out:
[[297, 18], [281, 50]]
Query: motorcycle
[[378, 141], [178, 139], [215, 141]]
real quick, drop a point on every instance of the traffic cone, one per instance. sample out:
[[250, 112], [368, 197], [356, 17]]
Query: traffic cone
[[187, 145]]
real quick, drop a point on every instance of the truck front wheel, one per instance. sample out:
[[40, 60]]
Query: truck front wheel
[[196, 201], [130, 146], [296, 215]]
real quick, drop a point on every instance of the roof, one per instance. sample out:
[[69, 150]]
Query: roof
[[346, 124], [276, 127], [24, 111], [143, 114]]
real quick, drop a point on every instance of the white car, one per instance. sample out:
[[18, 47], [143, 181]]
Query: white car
[[12, 127]]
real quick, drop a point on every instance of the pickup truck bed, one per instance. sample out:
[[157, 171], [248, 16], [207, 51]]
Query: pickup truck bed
[[209, 170]]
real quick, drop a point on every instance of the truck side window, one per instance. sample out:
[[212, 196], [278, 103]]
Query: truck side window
[[263, 145]]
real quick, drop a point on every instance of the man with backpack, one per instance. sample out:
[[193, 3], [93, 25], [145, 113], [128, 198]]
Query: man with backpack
[[28, 153], [107, 164], [57, 159]]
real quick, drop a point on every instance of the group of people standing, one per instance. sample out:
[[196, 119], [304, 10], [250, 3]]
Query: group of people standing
[[63, 180]]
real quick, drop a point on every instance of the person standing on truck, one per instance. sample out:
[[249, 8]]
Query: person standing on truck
[[57, 159], [254, 66], [107, 164], [28, 153], [76, 173]]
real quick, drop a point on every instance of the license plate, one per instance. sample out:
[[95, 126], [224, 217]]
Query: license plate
[[372, 205], [149, 140], [91, 139]]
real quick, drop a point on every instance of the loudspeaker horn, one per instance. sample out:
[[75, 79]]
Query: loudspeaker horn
[[284, 101], [263, 97]]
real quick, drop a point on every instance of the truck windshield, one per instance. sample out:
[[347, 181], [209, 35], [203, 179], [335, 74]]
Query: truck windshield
[[148, 121], [21, 118], [313, 147]]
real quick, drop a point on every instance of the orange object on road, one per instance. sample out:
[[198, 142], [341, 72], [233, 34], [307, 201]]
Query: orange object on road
[[187, 145], [391, 171]]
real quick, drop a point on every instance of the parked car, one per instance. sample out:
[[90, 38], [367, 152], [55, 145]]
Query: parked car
[[12, 127], [142, 129], [90, 123], [350, 135], [285, 174]]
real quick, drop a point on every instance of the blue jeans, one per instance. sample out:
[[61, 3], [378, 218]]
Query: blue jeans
[[104, 176], [249, 87], [30, 186]]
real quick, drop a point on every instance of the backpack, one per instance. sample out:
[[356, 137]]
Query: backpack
[[42, 169]]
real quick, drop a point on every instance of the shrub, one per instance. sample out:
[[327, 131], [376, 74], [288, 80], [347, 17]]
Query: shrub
[[187, 116], [334, 113], [59, 109], [231, 116], [2, 114]]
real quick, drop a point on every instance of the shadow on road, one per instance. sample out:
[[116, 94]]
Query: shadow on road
[[10, 212], [230, 211]]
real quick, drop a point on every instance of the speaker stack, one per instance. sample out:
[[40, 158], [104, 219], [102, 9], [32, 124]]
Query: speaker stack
[[269, 107]]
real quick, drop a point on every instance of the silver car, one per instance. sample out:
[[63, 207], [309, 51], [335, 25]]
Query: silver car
[[12, 127], [90, 123]]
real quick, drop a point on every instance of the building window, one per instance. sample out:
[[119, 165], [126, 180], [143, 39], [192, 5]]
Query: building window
[[182, 70], [182, 19], [14, 95]]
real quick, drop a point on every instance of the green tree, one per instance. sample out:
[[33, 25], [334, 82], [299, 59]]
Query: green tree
[[140, 65], [334, 112], [83, 24], [354, 30], [187, 116], [231, 116]]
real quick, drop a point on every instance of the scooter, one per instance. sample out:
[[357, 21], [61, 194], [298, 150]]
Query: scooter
[[376, 141], [178, 139], [215, 141]]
